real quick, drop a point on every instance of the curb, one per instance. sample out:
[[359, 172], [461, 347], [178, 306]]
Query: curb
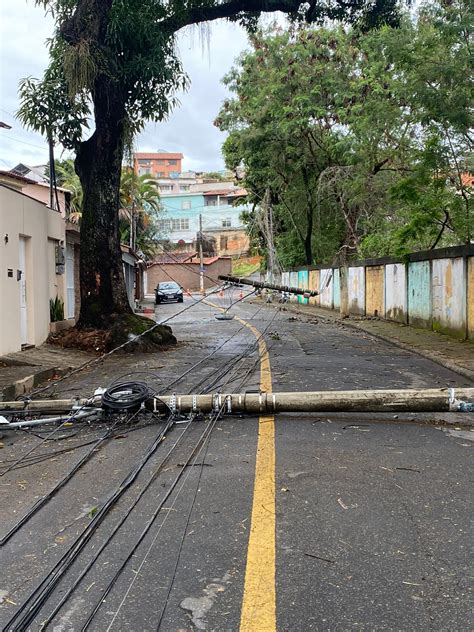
[[346, 322], [26, 384]]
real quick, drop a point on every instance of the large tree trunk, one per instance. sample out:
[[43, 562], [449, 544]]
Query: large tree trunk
[[98, 164]]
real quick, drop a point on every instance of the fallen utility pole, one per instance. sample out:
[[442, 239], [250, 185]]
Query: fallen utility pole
[[262, 285], [371, 401]]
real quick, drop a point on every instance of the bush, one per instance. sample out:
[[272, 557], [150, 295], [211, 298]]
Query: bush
[[56, 309]]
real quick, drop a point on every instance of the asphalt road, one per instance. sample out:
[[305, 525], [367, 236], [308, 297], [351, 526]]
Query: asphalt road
[[370, 514]]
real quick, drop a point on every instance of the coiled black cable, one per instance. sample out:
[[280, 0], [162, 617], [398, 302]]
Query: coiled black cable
[[125, 397]]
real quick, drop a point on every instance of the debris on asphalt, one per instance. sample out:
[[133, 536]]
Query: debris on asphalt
[[323, 559], [408, 469]]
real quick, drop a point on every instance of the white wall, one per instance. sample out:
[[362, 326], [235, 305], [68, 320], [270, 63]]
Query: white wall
[[43, 228]]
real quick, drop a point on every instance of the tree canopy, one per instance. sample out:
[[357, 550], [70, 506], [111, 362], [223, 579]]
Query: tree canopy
[[114, 65], [360, 137]]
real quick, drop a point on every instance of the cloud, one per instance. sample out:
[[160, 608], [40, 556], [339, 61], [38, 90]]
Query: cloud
[[24, 28]]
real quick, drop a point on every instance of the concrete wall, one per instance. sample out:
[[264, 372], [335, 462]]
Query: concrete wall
[[293, 283], [374, 291], [314, 285], [325, 287], [303, 282], [448, 282], [43, 229], [40, 192], [187, 274], [432, 289], [336, 289], [396, 292], [356, 290], [419, 293], [470, 298]]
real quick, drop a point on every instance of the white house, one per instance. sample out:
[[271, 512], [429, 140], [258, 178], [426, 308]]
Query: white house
[[32, 265]]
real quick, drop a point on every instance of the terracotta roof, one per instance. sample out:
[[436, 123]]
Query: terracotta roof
[[218, 192], [173, 257], [158, 155], [238, 193], [170, 261]]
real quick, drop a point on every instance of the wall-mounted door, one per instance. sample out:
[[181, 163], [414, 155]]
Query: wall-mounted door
[[21, 274]]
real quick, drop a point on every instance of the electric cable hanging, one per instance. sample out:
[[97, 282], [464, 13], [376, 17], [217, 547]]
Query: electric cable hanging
[[201, 442], [38, 597], [42, 501]]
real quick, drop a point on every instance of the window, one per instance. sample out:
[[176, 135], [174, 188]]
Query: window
[[143, 161], [166, 187], [144, 170], [159, 161], [180, 223], [223, 242], [172, 162], [164, 225], [184, 187], [186, 204], [211, 202], [227, 222], [160, 174]]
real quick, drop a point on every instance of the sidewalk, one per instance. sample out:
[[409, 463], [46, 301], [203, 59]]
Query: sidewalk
[[22, 371], [456, 355]]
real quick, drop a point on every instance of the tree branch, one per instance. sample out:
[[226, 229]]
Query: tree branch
[[198, 14]]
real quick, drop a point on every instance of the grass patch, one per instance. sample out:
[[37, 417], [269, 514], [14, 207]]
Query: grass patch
[[245, 267]]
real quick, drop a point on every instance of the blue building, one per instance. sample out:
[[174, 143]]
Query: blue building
[[221, 219]]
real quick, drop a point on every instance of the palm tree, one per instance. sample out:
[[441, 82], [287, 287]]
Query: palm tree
[[68, 179], [139, 207]]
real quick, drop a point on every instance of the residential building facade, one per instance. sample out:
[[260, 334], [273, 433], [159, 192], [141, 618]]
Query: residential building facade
[[221, 220], [33, 267], [161, 164]]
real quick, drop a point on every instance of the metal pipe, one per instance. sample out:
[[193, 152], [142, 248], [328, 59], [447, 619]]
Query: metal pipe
[[268, 286], [49, 420]]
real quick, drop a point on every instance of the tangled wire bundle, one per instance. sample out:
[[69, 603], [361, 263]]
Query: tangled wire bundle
[[125, 397]]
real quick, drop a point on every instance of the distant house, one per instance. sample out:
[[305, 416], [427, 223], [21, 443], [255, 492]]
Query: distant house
[[221, 219], [38, 186], [36, 173], [162, 164]]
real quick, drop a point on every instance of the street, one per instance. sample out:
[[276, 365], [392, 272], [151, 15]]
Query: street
[[293, 523]]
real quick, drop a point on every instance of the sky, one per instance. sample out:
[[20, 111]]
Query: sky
[[24, 29]]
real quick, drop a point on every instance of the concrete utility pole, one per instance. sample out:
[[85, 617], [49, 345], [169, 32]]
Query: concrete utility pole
[[51, 171], [367, 401], [268, 286], [428, 400], [201, 260]]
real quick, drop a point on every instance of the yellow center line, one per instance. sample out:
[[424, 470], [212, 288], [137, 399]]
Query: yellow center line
[[259, 600]]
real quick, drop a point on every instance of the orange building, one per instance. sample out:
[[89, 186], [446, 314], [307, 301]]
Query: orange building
[[158, 165]]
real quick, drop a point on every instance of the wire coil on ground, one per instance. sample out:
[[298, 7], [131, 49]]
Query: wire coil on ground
[[125, 397]]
